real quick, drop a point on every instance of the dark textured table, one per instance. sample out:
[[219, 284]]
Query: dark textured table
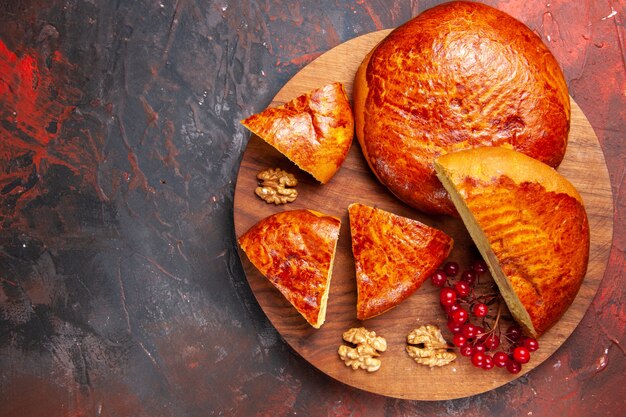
[[121, 290]]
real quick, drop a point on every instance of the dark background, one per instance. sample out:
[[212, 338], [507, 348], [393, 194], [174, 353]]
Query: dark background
[[121, 290]]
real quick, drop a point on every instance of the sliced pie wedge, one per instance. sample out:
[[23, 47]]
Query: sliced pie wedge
[[529, 224], [295, 250], [314, 130], [393, 255]]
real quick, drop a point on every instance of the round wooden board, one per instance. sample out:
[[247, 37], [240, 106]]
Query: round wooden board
[[399, 375]]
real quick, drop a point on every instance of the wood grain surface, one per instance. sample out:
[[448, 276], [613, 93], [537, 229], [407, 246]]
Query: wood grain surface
[[399, 376]]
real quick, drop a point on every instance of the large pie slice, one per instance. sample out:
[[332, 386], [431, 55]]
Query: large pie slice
[[295, 250], [314, 130], [393, 255], [530, 225]]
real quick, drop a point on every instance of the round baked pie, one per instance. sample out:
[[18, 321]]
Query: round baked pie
[[458, 76], [529, 224]]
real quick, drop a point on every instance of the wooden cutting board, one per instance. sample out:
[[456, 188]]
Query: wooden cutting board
[[399, 375]]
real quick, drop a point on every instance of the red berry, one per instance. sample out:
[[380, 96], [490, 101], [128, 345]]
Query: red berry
[[491, 342], [452, 308], [459, 340], [521, 354], [500, 359], [462, 288], [479, 266], [488, 363], [479, 347], [478, 359], [513, 367], [480, 310], [454, 327], [469, 330], [447, 296], [480, 332], [467, 350], [513, 333], [459, 316], [439, 278], [451, 268], [530, 343], [469, 277]]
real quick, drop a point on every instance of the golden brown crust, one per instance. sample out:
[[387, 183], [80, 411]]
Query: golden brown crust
[[457, 76], [359, 98], [486, 163], [534, 227], [314, 130], [393, 256], [295, 250]]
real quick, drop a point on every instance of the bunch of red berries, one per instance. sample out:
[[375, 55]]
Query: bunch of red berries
[[476, 332]]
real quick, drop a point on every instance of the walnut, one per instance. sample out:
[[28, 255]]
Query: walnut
[[430, 348], [273, 185], [367, 349]]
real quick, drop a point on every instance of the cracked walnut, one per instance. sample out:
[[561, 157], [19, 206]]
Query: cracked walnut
[[274, 186]]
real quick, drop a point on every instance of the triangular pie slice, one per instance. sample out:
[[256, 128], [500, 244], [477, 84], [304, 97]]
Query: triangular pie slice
[[393, 256], [314, 130], [529, 224], [295, 250]]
